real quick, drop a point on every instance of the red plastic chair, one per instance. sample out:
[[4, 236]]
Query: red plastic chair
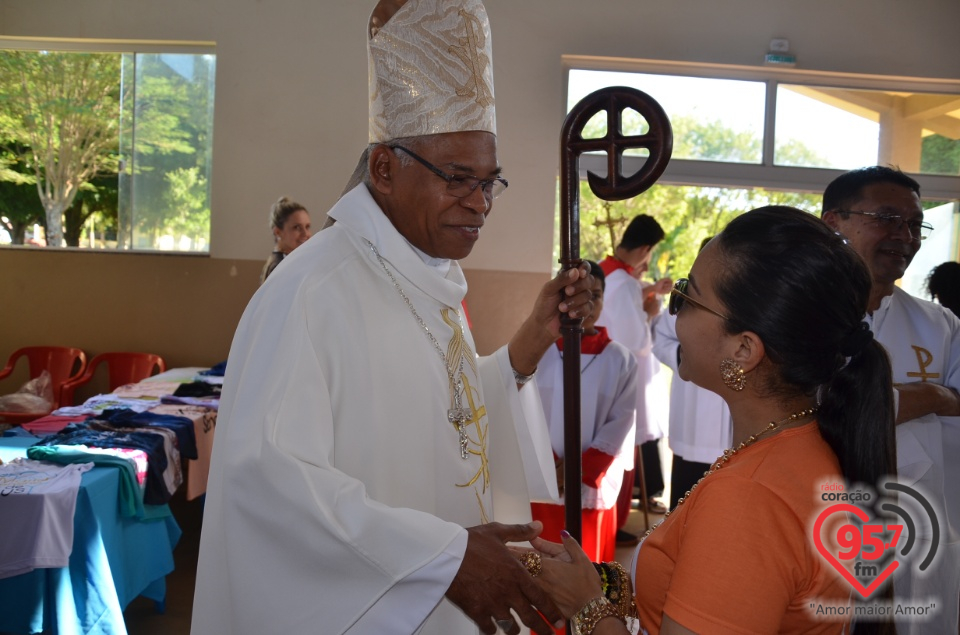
[[63, 363], [122, 368]]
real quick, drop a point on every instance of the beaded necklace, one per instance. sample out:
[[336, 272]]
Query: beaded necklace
[[728, 454]]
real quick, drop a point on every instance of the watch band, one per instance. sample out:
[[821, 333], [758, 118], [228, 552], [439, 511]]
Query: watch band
[[522, 379]]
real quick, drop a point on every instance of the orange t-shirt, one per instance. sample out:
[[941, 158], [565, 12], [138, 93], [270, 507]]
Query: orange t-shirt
[[738, 555]]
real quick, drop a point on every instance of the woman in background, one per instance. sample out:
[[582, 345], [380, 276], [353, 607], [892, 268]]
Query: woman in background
[[290, 223], [943, 285]]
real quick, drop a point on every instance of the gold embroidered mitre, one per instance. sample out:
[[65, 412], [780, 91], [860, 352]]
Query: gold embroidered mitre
[[430, 71]]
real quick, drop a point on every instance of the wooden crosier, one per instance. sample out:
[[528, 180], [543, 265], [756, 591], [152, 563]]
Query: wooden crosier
[[615, 187]]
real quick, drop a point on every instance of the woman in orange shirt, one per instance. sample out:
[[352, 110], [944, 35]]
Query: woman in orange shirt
[[771, 319]]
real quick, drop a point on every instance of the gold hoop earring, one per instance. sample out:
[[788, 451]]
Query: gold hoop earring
[[732, 374]]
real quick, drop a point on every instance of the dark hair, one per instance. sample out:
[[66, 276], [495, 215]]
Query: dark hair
[[597, 272], [642, 231], [847, 189], [281, 211], [943, 284], [794, 283]]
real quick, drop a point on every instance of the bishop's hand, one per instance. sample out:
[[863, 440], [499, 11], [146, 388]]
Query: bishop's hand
[[923, 397], [570, 292], [491, 581]]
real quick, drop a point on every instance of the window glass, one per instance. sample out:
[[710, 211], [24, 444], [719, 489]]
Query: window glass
[[845, 128], [815, 131], [130, 136], [687, 214], [166, 143], [721, 122], [712, 119], [937, 248]]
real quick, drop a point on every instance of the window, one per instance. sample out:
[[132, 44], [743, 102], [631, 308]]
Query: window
[[846, 128], [688, 214], [751, 136], [118, 138], [701, 131]]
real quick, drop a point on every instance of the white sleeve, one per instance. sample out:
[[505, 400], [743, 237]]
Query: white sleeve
[[520, 426], [625, 319], [430, 580], [665, 342]]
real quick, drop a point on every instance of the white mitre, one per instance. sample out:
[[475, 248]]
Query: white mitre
[[430, 71]]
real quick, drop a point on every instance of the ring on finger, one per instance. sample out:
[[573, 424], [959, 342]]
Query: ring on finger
[[533, 562]]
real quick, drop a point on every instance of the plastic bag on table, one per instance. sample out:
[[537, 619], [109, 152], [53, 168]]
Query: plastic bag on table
[[34, 396]]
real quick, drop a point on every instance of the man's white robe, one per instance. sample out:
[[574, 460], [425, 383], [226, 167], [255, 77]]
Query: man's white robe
[[608, 387], [337, 497], [626, 322], [923, 340], [700, 424]]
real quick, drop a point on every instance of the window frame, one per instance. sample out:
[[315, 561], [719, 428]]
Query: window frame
[[765, 174], [119, 46]]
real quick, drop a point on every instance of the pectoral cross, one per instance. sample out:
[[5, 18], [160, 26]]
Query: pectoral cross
[[459, 416]]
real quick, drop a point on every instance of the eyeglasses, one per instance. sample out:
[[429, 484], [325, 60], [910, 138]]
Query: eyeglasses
[[893, 223], [679, 296], [462, 185]]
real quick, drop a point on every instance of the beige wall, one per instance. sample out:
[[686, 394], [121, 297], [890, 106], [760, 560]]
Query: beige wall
[[183, 308], [498, 301], [290, 119]]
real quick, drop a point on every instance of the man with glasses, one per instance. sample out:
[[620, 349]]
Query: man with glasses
[[878, 211], [363, 450]]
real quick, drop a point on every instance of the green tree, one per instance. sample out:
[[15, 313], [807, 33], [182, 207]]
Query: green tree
[[940, 155], [712, 141], [19, 205], [172, 114], [97, 197], [64, 109], [186, 199]]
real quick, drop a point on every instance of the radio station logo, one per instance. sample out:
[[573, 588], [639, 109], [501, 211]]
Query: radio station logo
[[867, 548]]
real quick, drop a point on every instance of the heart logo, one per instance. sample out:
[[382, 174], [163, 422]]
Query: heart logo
[[865, 591]]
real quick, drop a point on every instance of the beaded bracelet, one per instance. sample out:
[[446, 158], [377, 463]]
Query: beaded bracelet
[[590, 615], [617, 588]]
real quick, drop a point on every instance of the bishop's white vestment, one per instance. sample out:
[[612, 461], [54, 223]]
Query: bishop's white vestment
[[923, 340], [700, 424], [338, 497]]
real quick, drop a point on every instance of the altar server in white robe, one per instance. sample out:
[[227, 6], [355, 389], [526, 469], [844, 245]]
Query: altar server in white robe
[[608, 402], [628, 308], [878, 210], [359, 435], [700, 424]]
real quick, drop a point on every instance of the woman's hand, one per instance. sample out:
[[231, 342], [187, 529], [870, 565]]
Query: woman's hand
[[568, 575]]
